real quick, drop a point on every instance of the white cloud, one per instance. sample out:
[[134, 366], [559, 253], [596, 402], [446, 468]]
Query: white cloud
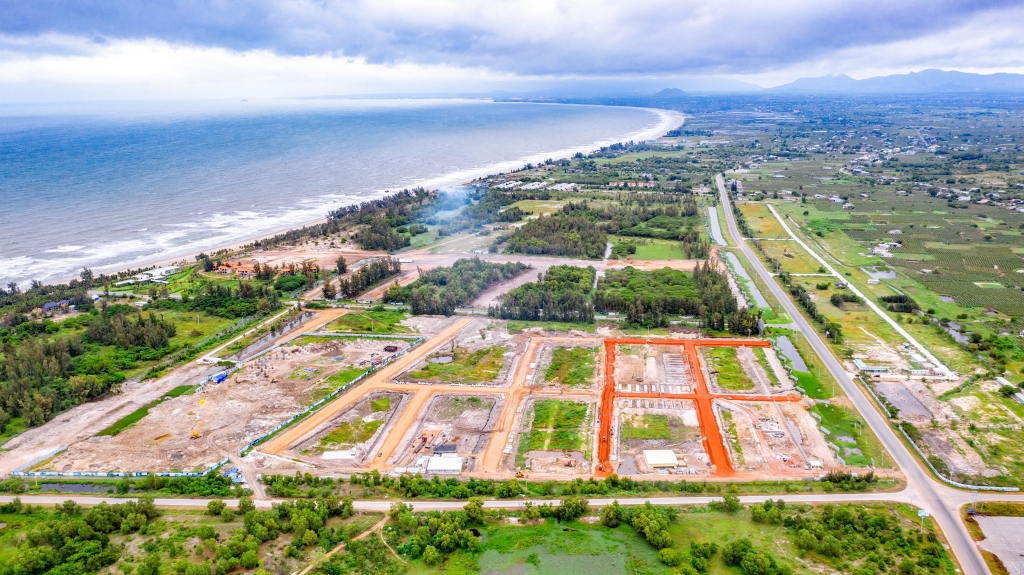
[[308, 48], [143, 69]]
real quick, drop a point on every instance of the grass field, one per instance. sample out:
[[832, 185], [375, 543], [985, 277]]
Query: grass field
[[349, 434], [556, 414], [843, 424], [480, 365], [556, 427], [731, 374], [572, 366], [652, 249], [761, 221], [333, 382], [381, 321], [130, 419], [516, 326], [647, 426]]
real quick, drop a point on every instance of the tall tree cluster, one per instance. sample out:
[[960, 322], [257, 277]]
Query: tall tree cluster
[[440, 290], [368, 276], [562, 294]]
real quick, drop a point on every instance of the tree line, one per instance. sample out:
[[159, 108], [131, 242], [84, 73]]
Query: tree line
[[559, 235], [368, 276], [649, 298], [406, 202], [561, 294], [440, 290]]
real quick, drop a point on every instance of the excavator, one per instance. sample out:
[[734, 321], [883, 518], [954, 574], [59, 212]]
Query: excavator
[[196, 432]]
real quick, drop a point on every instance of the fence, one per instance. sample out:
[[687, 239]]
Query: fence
[[19, 473], [245, 450], [921, 453]]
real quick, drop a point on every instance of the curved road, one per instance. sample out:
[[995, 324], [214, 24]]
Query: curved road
[[940, 501]]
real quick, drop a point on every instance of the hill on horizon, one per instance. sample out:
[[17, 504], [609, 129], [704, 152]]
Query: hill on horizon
[[925, 81]]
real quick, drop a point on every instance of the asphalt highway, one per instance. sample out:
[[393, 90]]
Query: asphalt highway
[[940, 501]]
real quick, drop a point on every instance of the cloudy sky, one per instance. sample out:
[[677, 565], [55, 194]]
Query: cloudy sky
[[52, 50]]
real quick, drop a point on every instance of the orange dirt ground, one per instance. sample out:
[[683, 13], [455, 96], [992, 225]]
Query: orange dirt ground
[[702, 397]]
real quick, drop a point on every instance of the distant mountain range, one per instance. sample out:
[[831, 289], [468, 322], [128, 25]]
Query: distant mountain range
[[923, 82]]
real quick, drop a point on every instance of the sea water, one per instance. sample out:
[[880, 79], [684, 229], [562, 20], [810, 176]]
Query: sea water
[[110, 191]]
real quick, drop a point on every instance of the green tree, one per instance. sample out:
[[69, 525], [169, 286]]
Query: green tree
[[215, 506], [431, 556], [611, 515], [245, 505], [670, 557], [731, 503], [572, 508], [734, 551], [474, 510]]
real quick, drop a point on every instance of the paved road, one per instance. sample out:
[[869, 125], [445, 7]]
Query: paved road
[[940, 501]]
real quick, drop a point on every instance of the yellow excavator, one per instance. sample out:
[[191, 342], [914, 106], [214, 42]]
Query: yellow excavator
[[196, 432]]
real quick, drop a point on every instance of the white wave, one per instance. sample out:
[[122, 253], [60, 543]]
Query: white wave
[[64, 249]]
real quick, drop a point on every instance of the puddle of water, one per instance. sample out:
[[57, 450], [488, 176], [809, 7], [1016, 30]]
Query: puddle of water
[[789, 350], [946, 298], [956, 335], [878, 275], [442, 359]]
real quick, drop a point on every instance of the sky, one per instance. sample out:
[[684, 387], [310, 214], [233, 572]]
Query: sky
[[53, 51]]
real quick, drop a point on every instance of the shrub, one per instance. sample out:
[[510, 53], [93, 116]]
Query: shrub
[[215, 506], [670, 557], [431, 556], [734, 551]]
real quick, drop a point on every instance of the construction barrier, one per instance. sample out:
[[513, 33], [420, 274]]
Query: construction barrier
[[19, 473]]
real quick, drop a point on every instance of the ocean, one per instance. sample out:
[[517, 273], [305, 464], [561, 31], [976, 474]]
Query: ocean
[[110, 191]]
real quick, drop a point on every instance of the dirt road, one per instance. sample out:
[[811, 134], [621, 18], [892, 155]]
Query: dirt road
[[702, 398], [304, 427]]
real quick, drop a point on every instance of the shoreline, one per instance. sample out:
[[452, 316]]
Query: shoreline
[[667, 120]]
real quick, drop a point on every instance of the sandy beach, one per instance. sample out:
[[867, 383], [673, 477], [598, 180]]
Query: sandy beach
[[668, 120]]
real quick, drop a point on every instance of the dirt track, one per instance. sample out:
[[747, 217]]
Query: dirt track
[[306, 426]]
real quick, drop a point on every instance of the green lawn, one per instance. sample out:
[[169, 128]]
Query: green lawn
[[731, 374], [572, 366], [130, 419]]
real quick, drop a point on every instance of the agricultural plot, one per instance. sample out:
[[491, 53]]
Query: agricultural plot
[[761, 221], [792, 257]]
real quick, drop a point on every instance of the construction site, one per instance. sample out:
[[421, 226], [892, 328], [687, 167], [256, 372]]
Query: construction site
[[463, 396]]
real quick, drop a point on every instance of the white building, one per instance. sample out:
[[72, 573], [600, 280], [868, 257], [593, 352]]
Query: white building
[[446, 464], [660, 458]]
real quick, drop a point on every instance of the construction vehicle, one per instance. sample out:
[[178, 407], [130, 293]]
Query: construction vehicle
[[520, 473], [196, 432]]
